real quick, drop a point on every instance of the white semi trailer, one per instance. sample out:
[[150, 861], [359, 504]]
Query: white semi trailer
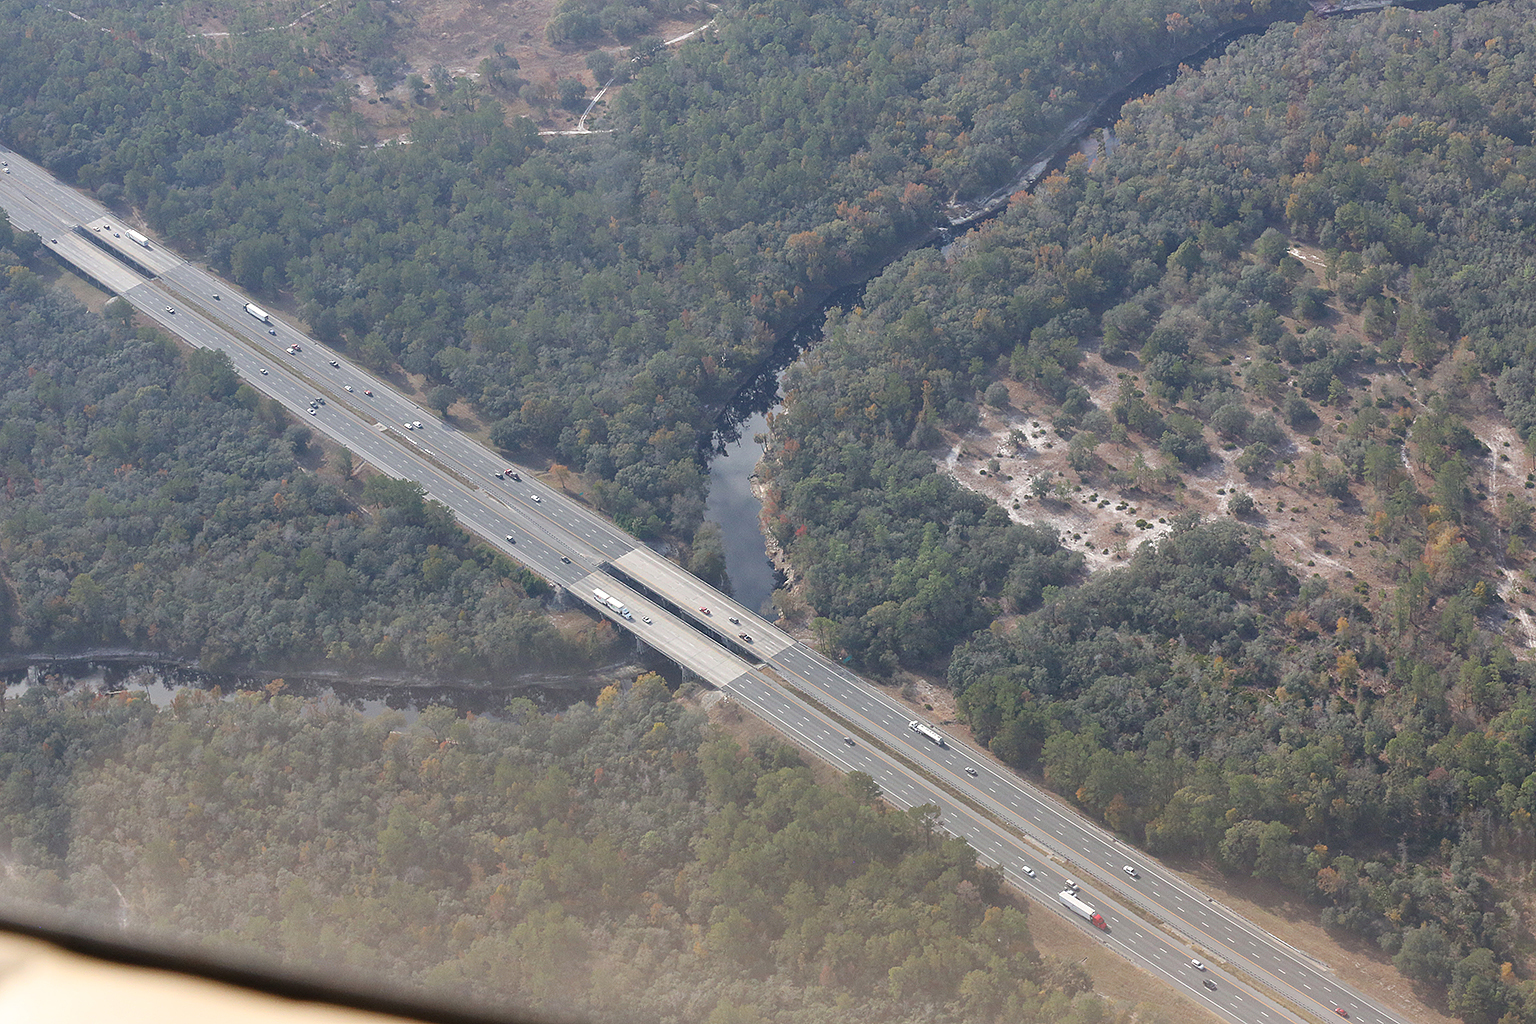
[[259, 313], [1070, 900], [928, 732]]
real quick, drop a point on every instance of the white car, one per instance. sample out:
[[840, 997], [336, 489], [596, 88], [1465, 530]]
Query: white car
[[409, 427], [1130, 871], [538, 500], [347, 388], [168, 309], [416, 424], [1197, 965], [1029, 871], [970, 771], [647, 620], [263, 371], [312, 410]]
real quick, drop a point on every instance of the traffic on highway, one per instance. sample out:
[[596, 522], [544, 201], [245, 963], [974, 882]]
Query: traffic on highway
[[1148, 914]]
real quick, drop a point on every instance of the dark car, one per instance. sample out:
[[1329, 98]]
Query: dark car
[[1208, 983], [745, 637]]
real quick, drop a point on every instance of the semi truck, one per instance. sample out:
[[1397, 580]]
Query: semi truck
[[259, 313], [928, 732], [136, 237], [1069, 900]]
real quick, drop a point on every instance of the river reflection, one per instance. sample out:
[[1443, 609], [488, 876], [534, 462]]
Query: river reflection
[[736, 509]]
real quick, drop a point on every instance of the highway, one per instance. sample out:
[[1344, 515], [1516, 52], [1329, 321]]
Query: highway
[[1156, 920]]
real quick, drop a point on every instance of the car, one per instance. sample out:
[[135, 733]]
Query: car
[[335, 364], [511, 539], [367, 392], [745, 637], [1130, 871], [347, 388], [55, 241], [168, 309], [538, 500], [273, 331], [319, 400], [735, 621], [970, 771], [704, 610], [1028, 870], [567, 561], [416, 424], [313, 411], [1340, 1011], [408, 426], [848, 740], [1208, 983], [647, 620], [498, 475], [1071, 885], [515, 475], [1197, 965], [215, 295], [263, 371]]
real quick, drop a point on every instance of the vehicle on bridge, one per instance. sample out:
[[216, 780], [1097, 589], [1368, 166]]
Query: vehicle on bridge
[[614, 603]]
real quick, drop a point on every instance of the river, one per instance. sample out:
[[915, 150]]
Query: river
[[731, 503], [550, 691]]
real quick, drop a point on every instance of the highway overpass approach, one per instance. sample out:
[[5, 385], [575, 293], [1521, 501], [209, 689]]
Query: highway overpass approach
[[1155, 919]]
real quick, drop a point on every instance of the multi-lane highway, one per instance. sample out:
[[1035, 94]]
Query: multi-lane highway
[[1155, 919]]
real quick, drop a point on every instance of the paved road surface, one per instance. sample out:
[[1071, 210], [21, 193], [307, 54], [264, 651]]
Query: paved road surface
[[1155, 919]]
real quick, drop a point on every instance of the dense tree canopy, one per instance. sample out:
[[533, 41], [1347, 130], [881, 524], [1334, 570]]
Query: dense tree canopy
[[154, 503], [600, 300], [1203, 698], [614, 862]]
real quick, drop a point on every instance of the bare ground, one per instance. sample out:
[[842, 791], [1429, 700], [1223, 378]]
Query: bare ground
[[1315, 534]]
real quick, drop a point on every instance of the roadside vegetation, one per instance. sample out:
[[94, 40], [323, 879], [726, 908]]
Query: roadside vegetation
[[154, 503]]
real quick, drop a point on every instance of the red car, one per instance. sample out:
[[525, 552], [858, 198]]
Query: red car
[[367, 392], [704, 610], [1340, 1011]]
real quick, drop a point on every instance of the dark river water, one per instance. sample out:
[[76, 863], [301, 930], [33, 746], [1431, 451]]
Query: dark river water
[[731, 503]]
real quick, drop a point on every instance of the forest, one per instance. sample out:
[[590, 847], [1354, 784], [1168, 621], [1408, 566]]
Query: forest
[[601, 301], [622, 861], [155, 503], [1364, 747]]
